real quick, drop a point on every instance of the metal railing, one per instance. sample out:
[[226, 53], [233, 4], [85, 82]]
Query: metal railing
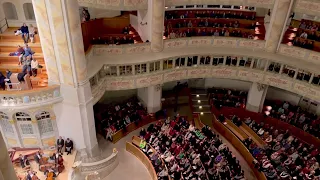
[[4, 25]]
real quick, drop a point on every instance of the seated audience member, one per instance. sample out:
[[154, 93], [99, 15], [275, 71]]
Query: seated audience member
[[68, 146], [2, 81], [19, 52], [27, 65], [60, 144], [125, 30], [38, 157], [34, 67], [25, 33]]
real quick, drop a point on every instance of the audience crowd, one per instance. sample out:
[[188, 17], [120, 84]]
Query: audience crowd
[[125, 38], [226, 97], [296, 116], [208, 23], [189, 153], [307, 35], [284, 156], [117, 117]]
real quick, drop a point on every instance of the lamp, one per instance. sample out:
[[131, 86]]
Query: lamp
[[200, 107], [197, 95], [199, 101]]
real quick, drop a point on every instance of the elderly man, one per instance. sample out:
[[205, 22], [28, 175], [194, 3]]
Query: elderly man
[[60, 144]]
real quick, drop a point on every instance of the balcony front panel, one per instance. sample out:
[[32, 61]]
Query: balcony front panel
[[303, 54], [221, 71], [310, 7], [115, 4]]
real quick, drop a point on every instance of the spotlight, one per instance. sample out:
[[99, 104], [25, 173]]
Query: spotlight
[[201, 113], [199, 101], [200, 107], [198, 95]]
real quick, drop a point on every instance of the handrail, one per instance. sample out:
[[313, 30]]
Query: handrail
[[134, 150], [6, 24]]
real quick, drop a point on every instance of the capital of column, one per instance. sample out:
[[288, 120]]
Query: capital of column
[[158, 9]]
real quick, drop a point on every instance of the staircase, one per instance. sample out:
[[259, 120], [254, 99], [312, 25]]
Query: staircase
[[8, 44]]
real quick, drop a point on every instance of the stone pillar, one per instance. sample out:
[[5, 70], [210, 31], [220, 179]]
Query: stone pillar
[[278, 20], [46, 39], [256, 97], [6, 167], [76, 110], [151, 97], [158, 9]]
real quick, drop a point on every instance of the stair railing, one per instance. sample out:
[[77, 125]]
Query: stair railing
[[4, 25]]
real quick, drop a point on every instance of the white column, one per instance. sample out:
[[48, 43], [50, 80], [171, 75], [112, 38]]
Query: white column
[[6, 168], [74, 116], [278, 21], [256, 97], [157, 24], [151, 97]]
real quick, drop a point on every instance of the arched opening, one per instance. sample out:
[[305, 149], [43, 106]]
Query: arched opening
[[10, 11], [24, 123], [5, 124], [28, 11], [44, 123]]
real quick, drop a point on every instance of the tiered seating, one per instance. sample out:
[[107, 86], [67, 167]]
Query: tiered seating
[[8, 44], [285, 154], [190, 153], [294, 115], [116, 120], [305, 35], [184, 23]]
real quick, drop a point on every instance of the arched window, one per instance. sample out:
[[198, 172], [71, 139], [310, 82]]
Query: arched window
[[28, 11], [5, 124], [10, 11], [24, 123], [44, 122]]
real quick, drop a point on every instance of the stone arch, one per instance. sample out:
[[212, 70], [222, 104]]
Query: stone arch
[[10, 11]]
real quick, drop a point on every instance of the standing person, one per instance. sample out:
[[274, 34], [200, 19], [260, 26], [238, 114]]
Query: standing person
[[69, 146], [27, 65], [34, 67], [25, 33], [32, 32], [60, 144]]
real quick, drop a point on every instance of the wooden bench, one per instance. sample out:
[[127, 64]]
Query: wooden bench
[[225, 132], [246, 129], [236, 130]]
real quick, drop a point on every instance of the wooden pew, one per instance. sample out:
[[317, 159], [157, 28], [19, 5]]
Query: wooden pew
[[246, 129], [225, 132], [236, 130], [131, 127], [143, 158]]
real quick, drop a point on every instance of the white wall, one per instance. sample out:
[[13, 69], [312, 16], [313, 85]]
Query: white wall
[[261, 12], [134, 22], [279, 94], [117, 96], [21, 16], [144, 31], [228, 83], [102, 13]]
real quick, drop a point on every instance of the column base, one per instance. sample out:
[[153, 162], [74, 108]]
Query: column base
[[252, 108]]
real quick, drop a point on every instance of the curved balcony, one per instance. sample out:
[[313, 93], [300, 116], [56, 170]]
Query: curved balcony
[[30, 98], [222, 71], [297, 52]]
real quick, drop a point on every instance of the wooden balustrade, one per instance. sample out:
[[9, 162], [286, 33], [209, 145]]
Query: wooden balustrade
[[143, 158], [258, 117], [225, 132]]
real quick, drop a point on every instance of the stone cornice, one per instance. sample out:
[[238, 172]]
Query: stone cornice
[[228, 72], [143, 4], [310, 7]]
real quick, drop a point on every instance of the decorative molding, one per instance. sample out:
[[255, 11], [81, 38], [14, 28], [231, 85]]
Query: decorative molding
[[229, 72], [304, 54], [102, 50], [30, 98], [310, 6], [254, 3]]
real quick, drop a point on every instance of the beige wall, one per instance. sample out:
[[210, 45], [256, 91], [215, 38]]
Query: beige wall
[[279, 94]]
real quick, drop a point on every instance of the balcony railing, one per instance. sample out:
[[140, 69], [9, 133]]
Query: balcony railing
[[221, 71], [35, 97], [297, 52]]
